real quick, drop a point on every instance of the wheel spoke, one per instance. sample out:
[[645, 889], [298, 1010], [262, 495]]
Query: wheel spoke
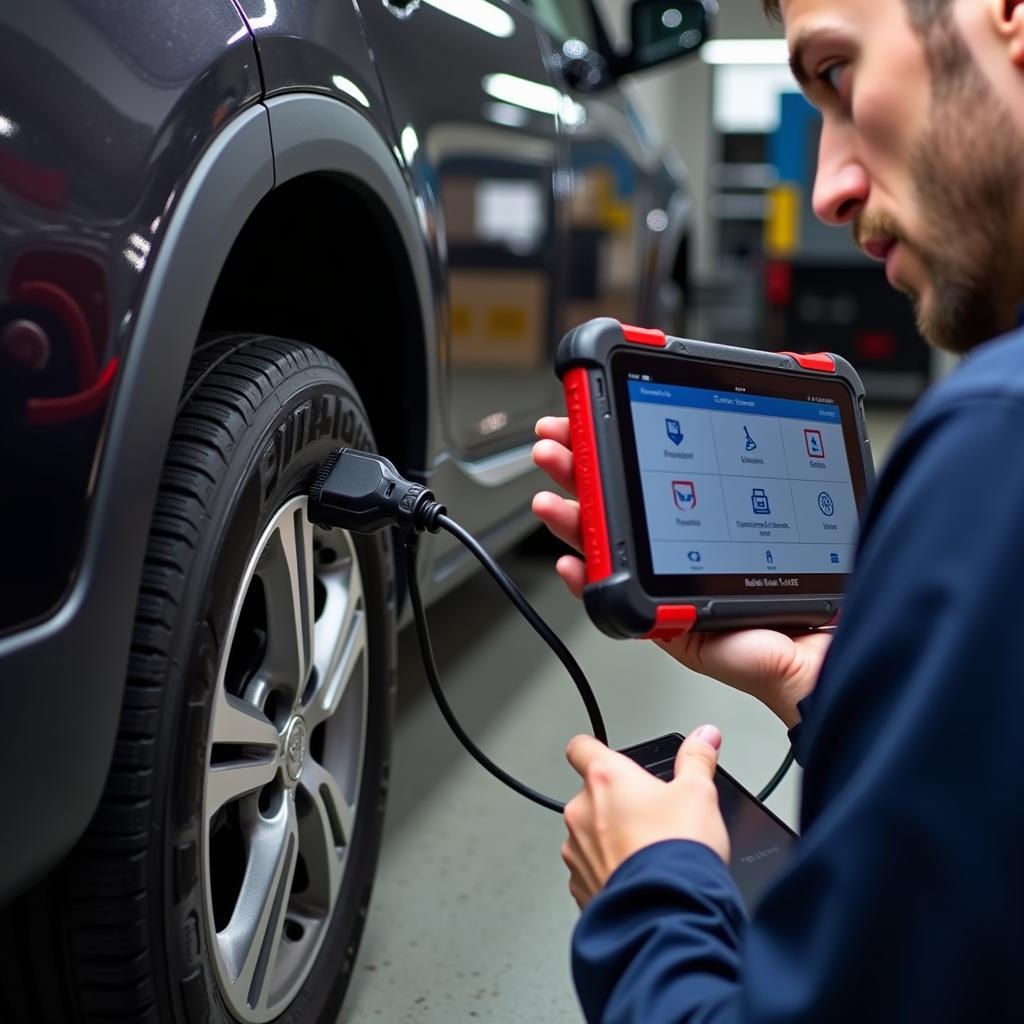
[[233, 779], [237, 721], [252, 938], [325, 831], [243, 753], [340, 641], [286, 568]]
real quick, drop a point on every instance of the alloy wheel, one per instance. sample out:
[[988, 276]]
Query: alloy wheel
[[284, 760]]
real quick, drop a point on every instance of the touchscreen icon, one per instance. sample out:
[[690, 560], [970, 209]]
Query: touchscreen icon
[[826, 504], [693, 556], [834, 555], [769, 558], [750, 443], [674, 431], [684, 494], [813, 443], [759, 502]]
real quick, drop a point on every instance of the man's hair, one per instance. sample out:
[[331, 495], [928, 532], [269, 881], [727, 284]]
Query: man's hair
[[922, 12], [946, 52]]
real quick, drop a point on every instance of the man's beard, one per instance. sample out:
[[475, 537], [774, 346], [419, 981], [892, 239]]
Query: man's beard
[[966, 169]]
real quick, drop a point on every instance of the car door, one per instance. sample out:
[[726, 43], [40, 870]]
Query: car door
[[624, 208], [477, 115]]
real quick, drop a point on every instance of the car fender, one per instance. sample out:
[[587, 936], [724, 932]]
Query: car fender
[[315, 134], [69, 670]]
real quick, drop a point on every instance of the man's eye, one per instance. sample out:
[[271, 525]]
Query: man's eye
[[833, 75]]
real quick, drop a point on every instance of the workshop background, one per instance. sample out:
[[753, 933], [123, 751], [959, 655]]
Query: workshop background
[[471, 917]]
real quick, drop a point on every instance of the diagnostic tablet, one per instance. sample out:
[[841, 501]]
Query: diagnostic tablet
[[719, 487]]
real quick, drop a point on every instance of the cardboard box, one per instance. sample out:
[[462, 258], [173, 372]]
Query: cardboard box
[[591, 188], [458, 201], [498, 318], [619, 262]]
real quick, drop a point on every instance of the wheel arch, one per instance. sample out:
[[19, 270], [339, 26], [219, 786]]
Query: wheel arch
[[337, 257]]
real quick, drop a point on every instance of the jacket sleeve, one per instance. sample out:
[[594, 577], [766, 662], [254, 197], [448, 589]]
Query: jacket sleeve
[[903, 900]]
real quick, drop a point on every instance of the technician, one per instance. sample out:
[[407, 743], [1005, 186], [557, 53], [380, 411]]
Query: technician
[[904, 900]]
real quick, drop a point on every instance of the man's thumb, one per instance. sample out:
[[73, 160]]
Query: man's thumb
[[698, 756]]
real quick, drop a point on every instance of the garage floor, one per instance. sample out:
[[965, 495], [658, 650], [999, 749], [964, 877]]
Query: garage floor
[[471, 915]]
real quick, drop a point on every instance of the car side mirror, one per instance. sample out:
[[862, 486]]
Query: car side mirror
[[665, 30]]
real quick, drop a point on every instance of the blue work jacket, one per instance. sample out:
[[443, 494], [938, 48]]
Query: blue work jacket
[[904, 898]]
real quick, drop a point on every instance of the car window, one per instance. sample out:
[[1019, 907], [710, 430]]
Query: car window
[[566, 19]]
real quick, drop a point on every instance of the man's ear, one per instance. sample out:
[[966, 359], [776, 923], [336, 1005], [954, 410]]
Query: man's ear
[[1008, 21]]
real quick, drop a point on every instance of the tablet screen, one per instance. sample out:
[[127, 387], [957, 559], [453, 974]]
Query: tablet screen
[[747, 479]]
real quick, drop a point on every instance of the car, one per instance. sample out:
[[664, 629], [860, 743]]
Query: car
[[233, 237]]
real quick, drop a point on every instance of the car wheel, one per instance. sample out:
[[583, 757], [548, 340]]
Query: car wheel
[[227, 872]]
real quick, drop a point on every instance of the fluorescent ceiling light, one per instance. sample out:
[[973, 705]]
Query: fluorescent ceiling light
[[545, 99], [478, 13], [523, 93], [745, 51], [410, 144], [347, 86], [505, 113]]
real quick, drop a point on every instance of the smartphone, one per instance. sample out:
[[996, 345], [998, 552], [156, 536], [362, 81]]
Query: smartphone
[[719, 487], [760, 840]]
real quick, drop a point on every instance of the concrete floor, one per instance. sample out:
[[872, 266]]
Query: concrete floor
[[471, 916]]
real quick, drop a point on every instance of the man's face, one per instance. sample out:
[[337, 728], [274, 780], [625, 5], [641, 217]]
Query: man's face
[[920, 156]]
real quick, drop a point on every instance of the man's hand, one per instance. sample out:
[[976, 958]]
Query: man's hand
[[622, 808], [776, 669]]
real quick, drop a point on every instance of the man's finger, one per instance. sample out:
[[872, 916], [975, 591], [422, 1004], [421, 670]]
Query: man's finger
[[555, 428], [582, 751], [573, 573], [698, 756], [560, 516], [556, 460], [578, 864]]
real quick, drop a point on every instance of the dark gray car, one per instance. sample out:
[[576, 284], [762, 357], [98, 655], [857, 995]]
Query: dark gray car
[[234, 236]]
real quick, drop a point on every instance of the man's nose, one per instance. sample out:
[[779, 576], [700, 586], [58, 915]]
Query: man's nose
[[841, 186]]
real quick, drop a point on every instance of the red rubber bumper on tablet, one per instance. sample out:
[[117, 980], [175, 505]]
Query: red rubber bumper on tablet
[[644, 336], [820, 361], [593, 523], [673, 620]]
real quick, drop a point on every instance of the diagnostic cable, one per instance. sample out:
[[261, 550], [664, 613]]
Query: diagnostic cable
[[363, 492]]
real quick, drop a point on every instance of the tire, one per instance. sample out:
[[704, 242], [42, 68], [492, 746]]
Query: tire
[[226, 874]]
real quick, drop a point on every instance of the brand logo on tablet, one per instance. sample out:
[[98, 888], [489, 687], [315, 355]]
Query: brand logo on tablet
[[768, 851]]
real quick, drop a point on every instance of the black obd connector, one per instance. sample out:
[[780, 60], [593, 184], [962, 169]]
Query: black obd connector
[[363, 492]]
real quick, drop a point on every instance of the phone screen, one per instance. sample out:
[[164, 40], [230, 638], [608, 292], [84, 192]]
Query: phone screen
[[760, 841]]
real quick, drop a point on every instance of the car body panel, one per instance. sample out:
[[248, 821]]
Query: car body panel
[[104, 114]]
